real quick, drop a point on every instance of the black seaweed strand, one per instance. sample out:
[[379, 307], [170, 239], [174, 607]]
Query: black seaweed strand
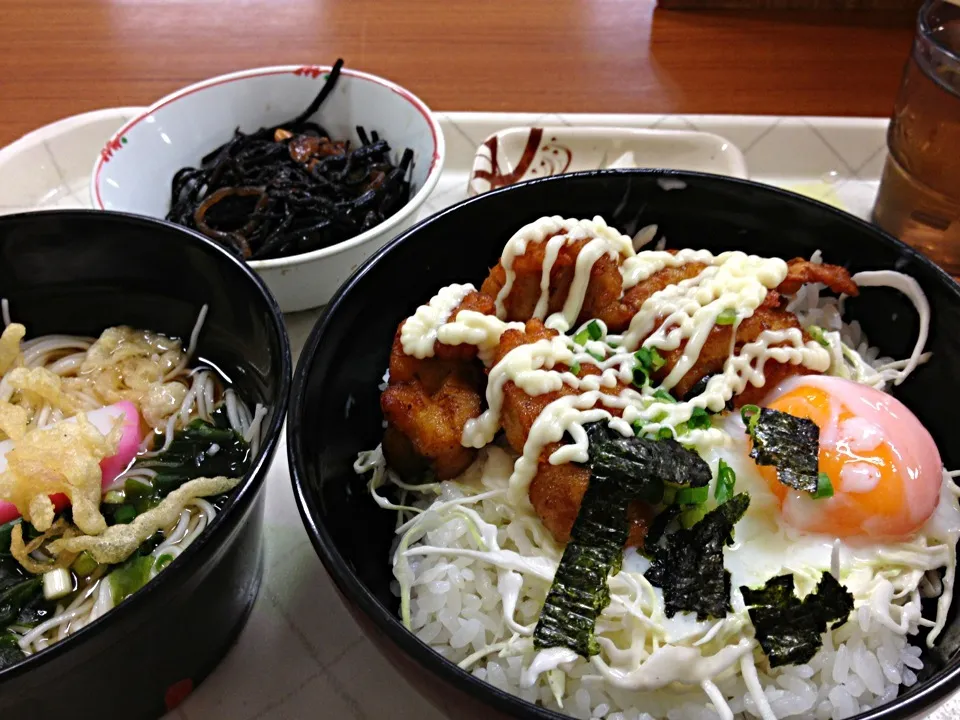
[[291, 188]]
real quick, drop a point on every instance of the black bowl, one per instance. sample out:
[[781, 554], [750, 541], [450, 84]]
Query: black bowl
[[81, 272], [335, 410]]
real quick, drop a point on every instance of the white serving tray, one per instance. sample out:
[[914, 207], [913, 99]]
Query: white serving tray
[[301, 654], [528, 153]]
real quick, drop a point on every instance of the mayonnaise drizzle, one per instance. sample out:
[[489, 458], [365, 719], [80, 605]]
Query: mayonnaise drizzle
[[732, 281], [420, 331], [681, 314], [473, 328], [604, 240]]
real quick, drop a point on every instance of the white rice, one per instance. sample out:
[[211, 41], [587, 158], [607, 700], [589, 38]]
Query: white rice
[[456, 607], [456, 603]]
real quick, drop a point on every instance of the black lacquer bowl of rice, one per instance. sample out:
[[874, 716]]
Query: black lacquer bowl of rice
[[459, 651], [120, 609]]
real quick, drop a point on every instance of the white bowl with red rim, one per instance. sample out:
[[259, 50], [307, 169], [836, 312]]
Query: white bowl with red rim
[[133, 172]]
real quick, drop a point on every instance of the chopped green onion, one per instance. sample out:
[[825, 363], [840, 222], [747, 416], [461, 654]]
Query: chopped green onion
[[592, 331], [84, 564], [664, 433], [816, 332], [649, 358], [599, 357], [726, 479], [699, 420], [637, 427], [727, 317], [163, 561], [824, 486], [114, 497], [692, 515], [693, 496], [663, 395], [648, 361], [57, 584], [669, 494], [750, 415], [640, 377], [575, 368]]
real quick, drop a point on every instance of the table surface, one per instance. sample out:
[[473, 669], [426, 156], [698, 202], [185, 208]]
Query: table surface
[[61, 57]]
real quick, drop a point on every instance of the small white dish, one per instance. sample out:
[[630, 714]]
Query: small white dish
[[136, 166], [49, 168], [526, 153]]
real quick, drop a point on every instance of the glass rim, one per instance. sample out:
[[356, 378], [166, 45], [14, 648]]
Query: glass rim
[[924, 30]]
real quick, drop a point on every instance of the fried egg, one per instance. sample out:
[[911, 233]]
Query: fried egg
[[882, 462]]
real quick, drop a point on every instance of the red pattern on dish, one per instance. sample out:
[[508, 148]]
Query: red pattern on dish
[[498, 179], [313, 71], [111, 147], [108, 150], [177, 693]]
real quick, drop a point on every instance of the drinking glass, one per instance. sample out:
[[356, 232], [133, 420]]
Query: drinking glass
[[919, 197]]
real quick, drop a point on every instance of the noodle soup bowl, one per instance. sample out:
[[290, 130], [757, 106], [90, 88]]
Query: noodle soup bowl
[[335, 410], [80, 272], [134, 170]]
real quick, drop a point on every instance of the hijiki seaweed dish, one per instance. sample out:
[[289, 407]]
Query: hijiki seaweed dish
[[636, 483], [116, 453], [291, 188]]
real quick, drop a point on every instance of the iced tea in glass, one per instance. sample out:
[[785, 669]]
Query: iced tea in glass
[[919, 198]]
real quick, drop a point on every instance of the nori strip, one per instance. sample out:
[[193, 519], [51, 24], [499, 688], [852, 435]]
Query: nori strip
[[659, 526], [788, 443], [643, 465], [777, 591], [689, 565], [579, 592], [790, 630], [621, 470]]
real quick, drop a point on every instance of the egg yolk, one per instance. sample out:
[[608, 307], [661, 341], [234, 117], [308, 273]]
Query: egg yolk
[[882, 463]]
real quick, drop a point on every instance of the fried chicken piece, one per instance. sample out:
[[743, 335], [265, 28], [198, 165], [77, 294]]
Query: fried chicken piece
[[771, 315], [428, 402], [404, 368], [519, 410], [802, 272], [636, 296], [603, 290], [713, 356], [557, 491], [432, 423]]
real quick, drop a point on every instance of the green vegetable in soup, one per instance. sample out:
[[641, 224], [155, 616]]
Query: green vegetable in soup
[[130, 576], [10, 652], [201, 449]]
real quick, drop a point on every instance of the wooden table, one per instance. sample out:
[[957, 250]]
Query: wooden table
[[61, 57]]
